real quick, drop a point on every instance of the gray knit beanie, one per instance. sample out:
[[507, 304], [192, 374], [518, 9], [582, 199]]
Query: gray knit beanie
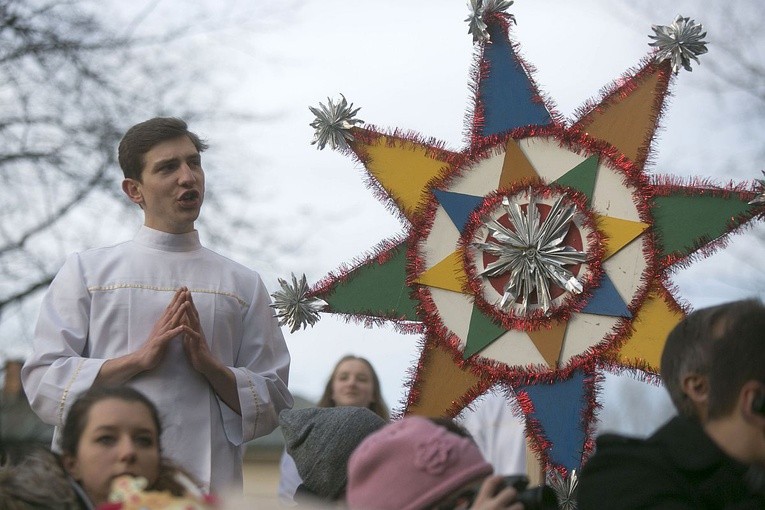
[[321, 440]]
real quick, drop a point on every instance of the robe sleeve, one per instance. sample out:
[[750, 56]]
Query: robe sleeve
[[289, 480], [59, 369], [262, 373]]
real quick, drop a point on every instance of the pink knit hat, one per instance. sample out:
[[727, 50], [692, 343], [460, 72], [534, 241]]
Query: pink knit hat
[[411, 464]]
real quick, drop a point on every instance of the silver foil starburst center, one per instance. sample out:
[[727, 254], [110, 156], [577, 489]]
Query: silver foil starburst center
[[294, 307], [679, 42], [533, 251]]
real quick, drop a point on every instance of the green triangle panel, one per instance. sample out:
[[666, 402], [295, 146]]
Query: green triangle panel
[[481, 333], [682, 222], [375, 289], [582, 177]]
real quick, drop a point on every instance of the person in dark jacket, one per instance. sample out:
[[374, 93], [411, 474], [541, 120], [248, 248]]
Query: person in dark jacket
[[688, 463]]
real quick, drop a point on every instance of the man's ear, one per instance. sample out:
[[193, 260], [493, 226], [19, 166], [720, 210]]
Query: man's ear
[[753, 394], [132, 189], [71, 465], [758, 403], [696, 387], [751, 400]]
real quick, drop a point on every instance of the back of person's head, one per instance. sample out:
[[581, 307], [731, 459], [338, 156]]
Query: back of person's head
[[378, 405], [35, 481], [77, 417], [687, 353], [452, 426], [320, 441], [139, 140], [410, 465], [738, 359]]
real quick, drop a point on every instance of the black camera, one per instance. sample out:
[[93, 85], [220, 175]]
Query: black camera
[[541, 497]]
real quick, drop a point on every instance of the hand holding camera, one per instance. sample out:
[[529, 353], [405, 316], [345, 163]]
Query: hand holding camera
[[511, 492]]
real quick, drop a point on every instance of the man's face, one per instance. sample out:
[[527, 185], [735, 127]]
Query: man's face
[[172, 186]]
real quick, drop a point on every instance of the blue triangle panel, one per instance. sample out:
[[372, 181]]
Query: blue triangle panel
[[559, 409], [606, 300], [458, 206], [506, 91]]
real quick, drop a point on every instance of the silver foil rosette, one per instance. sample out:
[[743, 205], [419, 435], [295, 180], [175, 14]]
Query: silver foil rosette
[[680, 42], [293, 306]]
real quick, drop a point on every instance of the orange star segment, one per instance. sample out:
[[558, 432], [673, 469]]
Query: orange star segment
[[656, 318], [627, 119], [619, 233], [403, 168], [441, 384], [549, 342], [516, 167], [449, 274]]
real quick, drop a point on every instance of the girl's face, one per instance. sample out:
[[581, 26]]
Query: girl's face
[[119, 438], [352, 384]]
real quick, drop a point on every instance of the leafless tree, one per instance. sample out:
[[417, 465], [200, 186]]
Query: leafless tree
[[740, 66], [734, 69], [73, 77]]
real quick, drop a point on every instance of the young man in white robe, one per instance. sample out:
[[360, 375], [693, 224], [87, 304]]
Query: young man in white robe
[[188, 327]]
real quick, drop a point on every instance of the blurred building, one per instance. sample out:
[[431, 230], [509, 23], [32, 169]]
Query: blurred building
[[20, 427], [261, 460]]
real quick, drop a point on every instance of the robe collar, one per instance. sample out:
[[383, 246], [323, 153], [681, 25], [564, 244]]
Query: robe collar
[[168, 242]]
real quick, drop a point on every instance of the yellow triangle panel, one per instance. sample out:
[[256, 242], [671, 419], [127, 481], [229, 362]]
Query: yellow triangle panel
[[653, 322], [403, 168], [549, 342], [442, 384], [449, 274], [619, 233], [516, 166], [628, 119]]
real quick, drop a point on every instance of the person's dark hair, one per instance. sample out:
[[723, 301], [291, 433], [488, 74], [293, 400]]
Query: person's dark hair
[[139, 140], [740, 358], [378, 405], [452, 426], [77, 418], [35, 481], [687, 351]]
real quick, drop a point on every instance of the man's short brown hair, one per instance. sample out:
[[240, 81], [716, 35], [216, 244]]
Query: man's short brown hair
[[139, 140], [738, 359]]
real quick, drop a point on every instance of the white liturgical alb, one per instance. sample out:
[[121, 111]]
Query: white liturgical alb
[[103, 304]]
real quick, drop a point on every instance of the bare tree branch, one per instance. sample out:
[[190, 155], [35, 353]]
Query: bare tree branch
[[72, 79], [57, 214], [26, 292]]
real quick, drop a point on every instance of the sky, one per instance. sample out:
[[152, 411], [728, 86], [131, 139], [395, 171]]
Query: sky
[[407, 65]]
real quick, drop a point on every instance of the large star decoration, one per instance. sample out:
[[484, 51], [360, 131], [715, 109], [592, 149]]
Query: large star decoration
[[538, 256]]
